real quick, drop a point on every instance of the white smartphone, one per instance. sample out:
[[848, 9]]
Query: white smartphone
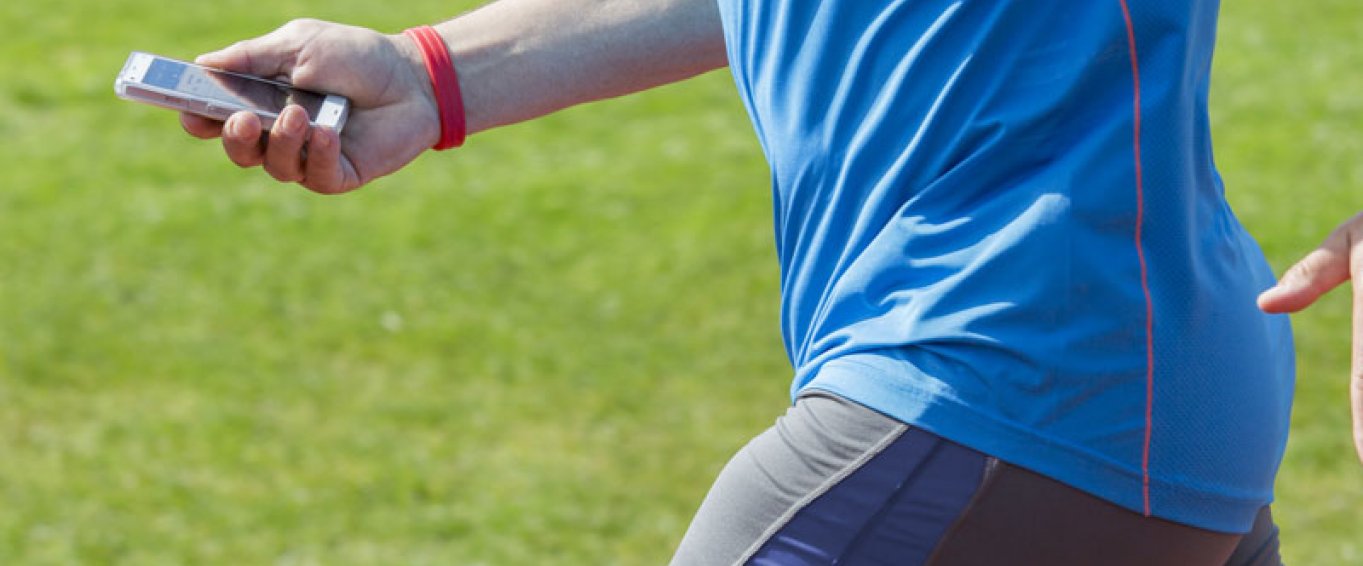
[[216, 94]]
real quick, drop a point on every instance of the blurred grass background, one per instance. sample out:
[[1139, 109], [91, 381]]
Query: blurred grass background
[[536, 350]]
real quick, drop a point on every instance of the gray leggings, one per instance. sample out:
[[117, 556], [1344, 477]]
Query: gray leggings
[[787, 495]]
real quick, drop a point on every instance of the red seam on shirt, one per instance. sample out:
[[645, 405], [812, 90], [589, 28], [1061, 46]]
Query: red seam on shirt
[[1145, 273]]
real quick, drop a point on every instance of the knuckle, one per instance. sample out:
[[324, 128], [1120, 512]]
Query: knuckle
[[283, 176], [285, 142], [239, 45], [283, 173], [243, 161], [241, 154], [301, 25], [1322, 268], [1304, 270]]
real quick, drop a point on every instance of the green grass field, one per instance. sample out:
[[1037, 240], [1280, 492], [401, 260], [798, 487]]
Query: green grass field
[[536, 350]]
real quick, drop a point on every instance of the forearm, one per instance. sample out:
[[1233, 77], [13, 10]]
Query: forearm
[[519, 59], [516, 59]]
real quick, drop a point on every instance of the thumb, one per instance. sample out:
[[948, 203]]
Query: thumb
[[1313, 276], [271, 55]]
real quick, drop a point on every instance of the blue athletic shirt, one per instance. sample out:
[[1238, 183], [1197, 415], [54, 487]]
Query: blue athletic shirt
[[999, 220]]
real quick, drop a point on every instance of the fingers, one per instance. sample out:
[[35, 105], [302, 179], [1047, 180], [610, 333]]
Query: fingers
[[241, 139], [324, 171], [291, 151], [284, 152], [1338, 259], [200, 127], [1320, 271]]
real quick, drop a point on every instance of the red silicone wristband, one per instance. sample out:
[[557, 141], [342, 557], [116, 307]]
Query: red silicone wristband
[[449, 100]]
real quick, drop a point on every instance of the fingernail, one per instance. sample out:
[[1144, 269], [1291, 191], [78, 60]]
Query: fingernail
[[294, 123]]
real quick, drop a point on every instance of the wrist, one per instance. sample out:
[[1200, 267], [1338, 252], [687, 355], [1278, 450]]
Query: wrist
[[449, 99], [419, 84]]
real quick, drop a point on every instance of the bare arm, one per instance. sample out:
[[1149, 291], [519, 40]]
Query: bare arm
[[520, 59], [516, 59]]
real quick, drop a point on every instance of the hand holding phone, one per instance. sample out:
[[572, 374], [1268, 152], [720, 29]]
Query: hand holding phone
[[392, 115], [217, 94]]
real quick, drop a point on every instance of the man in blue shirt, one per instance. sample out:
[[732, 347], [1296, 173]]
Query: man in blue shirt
[[1016, 302]]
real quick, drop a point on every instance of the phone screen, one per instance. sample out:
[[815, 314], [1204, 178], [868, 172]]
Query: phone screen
[[241, 91]]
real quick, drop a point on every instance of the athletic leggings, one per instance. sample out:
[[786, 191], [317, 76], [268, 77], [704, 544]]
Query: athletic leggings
[[836, 483]]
